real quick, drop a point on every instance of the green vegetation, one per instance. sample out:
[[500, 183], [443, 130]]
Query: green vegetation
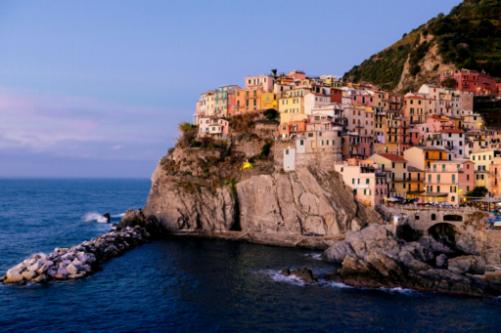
[[449, 83], [383, 69], [477, 192], [469, 37], [188, 134], [490, 109], [265, 151], [272, 115]]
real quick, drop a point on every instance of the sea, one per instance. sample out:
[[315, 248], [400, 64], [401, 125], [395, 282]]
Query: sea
[[192, 285]]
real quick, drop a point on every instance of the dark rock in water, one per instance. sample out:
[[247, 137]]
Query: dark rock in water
[[107, 216], [374, 257], [133, 217], [304, 274]]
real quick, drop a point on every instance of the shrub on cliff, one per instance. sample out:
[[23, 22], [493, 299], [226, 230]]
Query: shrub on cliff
[[188, 134], [243, 123]]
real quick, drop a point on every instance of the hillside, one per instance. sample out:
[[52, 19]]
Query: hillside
[[468, 37]]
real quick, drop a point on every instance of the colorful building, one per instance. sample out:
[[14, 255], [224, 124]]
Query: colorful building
[[475, 82], [369, 185]]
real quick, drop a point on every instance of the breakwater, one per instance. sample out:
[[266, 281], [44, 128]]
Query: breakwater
[[77, 261]]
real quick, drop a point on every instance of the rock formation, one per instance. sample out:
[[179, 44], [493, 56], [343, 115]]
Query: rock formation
[[80, 260], [374, 257], [200, 188]]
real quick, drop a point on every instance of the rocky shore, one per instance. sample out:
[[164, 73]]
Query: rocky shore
[[376, 257], [85, 258]]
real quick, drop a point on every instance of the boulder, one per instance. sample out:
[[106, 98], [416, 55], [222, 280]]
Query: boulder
[[467, 264], [304, 274], [441, 261]]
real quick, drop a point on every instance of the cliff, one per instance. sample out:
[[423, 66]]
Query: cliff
[[468, 37], [201, 188]]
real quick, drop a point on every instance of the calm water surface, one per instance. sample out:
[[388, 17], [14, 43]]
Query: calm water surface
[[186, 285]]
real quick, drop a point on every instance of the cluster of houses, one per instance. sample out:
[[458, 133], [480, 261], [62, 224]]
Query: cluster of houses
[[427, 145]]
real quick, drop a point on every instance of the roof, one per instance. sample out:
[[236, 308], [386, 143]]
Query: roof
[[414, 169], [428, 148], [393, 157], [451, 131]]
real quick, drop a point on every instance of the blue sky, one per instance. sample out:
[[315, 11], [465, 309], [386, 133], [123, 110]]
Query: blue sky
[[92, 88]]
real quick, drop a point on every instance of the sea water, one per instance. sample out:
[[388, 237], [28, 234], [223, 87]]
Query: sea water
[[191, 285]]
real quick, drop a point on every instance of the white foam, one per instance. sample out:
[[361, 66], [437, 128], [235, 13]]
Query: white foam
[[399, 290], [314, 255], [94, 217], [277, 276], [334, 284], [118, 216]]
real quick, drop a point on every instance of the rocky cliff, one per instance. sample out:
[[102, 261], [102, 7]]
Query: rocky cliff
[[204, 190]]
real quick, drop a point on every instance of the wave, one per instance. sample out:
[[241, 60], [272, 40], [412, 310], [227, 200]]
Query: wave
[[314, 256], [399, 290], [335, 284], [278, 276], [118, 216], [94, 217]]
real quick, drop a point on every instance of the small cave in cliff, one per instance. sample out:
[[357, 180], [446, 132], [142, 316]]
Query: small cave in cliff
[[445, 234], [407, 233]]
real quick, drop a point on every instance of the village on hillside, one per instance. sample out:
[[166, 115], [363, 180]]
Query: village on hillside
[[427, 146]]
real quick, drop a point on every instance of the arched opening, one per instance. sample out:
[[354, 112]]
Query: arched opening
[[444, 233], [453, 218]]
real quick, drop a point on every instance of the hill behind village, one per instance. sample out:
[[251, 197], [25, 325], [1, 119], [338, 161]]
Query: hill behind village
[[468, 37]]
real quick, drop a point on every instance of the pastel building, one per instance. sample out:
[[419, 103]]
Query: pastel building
[[396, 166], [421, 157], [475, 82], [263, 82], [315, 101], [319, 145], [448, 181], [483, 160], [494, 185], [248, 100], [291, 105], [213, 127], [369, 185]]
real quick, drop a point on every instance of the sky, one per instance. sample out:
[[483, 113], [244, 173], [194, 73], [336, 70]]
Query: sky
[[92, 88]]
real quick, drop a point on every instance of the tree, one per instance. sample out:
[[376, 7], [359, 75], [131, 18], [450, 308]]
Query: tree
[[478, 192], [449, 83], [272, 114]]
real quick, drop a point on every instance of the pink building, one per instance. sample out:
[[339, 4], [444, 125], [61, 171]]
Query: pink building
[[479, 83], [449, 181]]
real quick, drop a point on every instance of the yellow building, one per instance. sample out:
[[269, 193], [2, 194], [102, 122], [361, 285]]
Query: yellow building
[[291, 106], [483, 161], [415, 185], [422, 157], [269, 101]]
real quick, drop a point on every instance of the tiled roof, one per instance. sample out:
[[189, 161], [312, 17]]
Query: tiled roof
[[393, 157]]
